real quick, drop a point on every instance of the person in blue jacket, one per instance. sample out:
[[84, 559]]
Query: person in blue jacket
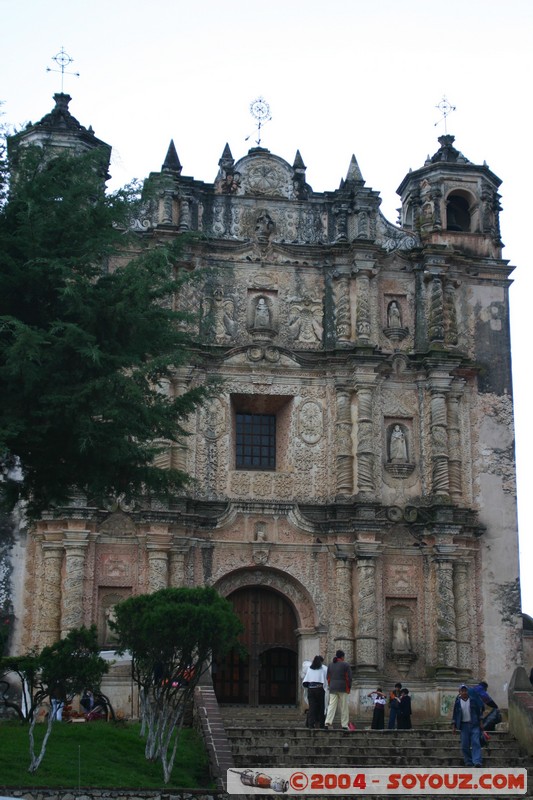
[[494, 716], [467, 719]]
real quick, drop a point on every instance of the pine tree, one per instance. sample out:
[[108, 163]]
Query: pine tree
[[89, 338]]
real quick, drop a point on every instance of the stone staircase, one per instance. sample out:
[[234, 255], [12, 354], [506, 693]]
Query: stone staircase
[[270, 737]]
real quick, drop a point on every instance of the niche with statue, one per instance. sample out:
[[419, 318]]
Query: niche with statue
[[399, 461]]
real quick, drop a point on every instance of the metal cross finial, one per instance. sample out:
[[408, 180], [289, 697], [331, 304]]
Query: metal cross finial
[[445, 108], [62, 60], [260, 111]]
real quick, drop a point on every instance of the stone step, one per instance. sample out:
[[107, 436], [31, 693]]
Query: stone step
[[267, 746]]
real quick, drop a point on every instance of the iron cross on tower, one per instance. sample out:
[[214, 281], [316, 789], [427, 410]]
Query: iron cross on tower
[[62, 60], [260, 111], [445, 109]]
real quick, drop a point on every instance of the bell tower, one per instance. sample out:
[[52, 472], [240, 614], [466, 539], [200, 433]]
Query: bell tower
[[59, 131], [451, 201]]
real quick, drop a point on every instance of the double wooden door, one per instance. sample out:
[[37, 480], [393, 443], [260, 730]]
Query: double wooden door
[[267, 674]]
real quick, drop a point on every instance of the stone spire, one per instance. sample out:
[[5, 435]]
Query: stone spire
[[171, 162], [354, 173], [226, 161]]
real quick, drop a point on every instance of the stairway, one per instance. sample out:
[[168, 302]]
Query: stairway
[[266, 738]]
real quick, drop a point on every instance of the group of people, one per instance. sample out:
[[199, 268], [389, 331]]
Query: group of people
[[469, 722], [327, 690], [399, 708]]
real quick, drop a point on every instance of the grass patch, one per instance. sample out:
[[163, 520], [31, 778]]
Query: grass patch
[[99, 755]]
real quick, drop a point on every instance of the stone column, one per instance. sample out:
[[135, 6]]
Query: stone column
[[366, 636], [455, 463], [75, 544], [452, 332], [343, 627], [343, 435], [436, 310], [365, 440], [178, 553], [158, 548], [343, 318], [341, 222], [185, 213], [461, 586], [363, 307], [439, 439], [445, 611], [50, 611]]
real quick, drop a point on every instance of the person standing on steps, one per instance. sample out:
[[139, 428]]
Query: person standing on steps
[[378, 717], [340, 686], [404, 711], [305, 666], [467, 712], [494, 715], [316, 682], [394, 702]]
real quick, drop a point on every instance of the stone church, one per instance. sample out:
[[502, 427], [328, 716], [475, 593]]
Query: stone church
[[354, 480]]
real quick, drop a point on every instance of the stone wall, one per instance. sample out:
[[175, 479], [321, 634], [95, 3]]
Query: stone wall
[[521, 709]]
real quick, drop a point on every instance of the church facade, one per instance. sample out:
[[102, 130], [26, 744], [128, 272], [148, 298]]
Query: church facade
[[354, 479]]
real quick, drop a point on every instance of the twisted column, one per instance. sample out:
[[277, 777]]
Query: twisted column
[[185, 213], [436, 310], [365, 445], [344, 639], [343, 321], [75, 544], [367, 616], [178, 553], [455, 463], [50, 611], [363, 307], [439, 443], [157, 548], [462, 614], [452, 332], [446, 622], [343, 435]]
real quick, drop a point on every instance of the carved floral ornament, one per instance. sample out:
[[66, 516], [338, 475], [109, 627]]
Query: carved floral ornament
[[311, 422]]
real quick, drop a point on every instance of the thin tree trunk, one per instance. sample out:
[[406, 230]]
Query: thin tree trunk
[[36, 760]]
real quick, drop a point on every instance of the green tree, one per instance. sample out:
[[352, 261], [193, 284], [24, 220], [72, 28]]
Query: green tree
[[171, 635], [58, 672], [89, 337]]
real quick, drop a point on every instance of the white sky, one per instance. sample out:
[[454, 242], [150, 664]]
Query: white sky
[[341, 77]]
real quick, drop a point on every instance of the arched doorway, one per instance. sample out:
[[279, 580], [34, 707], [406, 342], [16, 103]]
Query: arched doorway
[[267, 675]]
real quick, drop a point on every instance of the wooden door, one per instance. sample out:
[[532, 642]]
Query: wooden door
[[267, 675]]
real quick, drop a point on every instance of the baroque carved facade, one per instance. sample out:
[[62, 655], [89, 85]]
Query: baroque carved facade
[[380, 515]]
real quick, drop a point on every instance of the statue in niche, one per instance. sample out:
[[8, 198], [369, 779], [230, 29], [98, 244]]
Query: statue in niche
[[221, 314], [110, 617], [394, 319], [260, 532], [401, 639], [398, 446], [264, 228], [262, 314]]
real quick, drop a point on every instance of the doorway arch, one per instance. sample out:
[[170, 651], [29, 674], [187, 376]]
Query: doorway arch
[[267, 674]]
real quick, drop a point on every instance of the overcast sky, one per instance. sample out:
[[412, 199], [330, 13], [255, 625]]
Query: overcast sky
[[341, 77]]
